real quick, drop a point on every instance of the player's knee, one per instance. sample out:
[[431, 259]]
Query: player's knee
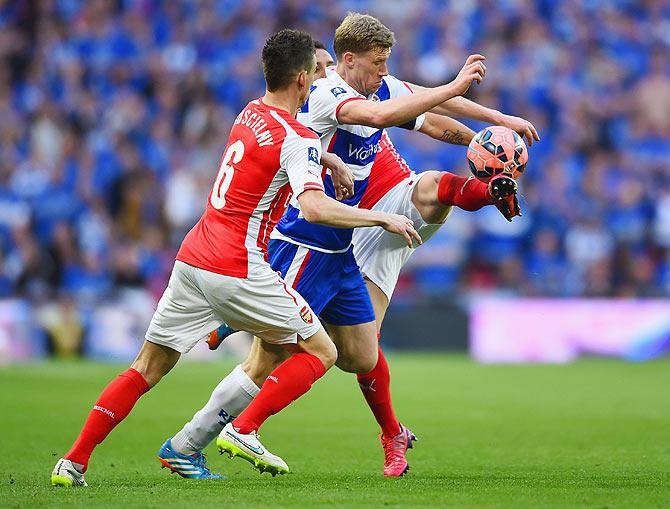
[[359, 363], [366, 363], [327, 354], [367, 367], [150, 373], [259, 371], [154, 362]]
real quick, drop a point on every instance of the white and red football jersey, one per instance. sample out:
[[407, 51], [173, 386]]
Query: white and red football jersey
[[270, 156], [387, 171], [356, 145]]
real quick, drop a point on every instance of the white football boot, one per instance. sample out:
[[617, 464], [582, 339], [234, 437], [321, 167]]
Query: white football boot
[[249, 448], [64, 474]]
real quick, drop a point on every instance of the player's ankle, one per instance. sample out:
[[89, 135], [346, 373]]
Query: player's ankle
[[181, 444], [244, 427], [80, 467], [391, 430]]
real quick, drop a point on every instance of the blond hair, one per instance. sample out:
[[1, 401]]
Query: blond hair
[[359, 33]]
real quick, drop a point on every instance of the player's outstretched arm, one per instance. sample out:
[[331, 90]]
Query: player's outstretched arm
[[318, 208], [400, 110], [446, 129], [465, 108]]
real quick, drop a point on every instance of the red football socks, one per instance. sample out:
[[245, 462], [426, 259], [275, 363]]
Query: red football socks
[[113, 405], [290, 380], [465, 193], [376, 387]]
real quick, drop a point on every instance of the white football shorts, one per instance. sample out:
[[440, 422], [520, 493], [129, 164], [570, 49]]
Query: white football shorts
[[197, 301], [381, 254]]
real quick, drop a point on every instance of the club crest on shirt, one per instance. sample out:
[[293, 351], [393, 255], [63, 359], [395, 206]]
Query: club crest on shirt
[[313, 155], [306, 315], [337, 91]]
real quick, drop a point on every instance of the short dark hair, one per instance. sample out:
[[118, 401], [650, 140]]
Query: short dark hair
[[319, 45], [285, 55]]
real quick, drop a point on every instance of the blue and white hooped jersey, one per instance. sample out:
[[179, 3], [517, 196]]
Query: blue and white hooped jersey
[[356, 145]]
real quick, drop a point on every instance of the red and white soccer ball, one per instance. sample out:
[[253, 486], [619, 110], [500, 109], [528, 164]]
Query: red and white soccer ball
[[495, 150]]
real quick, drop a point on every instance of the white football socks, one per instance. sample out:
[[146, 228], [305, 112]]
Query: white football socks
[[229, 398]]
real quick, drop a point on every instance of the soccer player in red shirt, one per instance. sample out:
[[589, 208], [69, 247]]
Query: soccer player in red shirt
[[221, 273]]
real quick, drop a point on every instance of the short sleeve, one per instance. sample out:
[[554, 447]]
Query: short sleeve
[[324, 103], [301, 158], [398, 88]]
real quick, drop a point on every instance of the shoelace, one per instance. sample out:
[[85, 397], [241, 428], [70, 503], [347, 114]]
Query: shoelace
[[253, 433], [202, 463], [393, 446]]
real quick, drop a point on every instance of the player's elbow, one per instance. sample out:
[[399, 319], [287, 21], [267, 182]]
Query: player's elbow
[[328, 356], [312, 215], [312, 207], [380, 119]]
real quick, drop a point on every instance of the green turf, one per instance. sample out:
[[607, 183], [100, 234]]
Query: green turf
[[595, 433]]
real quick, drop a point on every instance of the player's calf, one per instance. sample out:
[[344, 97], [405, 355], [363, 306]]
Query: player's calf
[[112, 406]]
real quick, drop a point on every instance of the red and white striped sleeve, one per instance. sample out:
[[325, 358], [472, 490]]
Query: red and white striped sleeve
[[301, 158]]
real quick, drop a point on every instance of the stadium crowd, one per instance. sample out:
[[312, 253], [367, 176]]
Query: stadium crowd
[[113, 116]]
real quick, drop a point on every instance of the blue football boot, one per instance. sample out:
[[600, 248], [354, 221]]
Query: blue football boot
[[190, 466], [217, 336]]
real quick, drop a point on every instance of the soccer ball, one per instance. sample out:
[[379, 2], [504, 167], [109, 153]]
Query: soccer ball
[[495, 150]]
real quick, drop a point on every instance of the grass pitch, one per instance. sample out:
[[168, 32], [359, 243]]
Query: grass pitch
[[592, 434]]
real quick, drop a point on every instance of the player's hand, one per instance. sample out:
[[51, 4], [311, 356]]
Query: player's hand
[[343, 177], [473, 70], [503, 190], [401, 225], [522, 126]]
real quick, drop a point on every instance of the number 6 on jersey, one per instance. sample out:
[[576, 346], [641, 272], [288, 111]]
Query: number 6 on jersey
[[224, 178]]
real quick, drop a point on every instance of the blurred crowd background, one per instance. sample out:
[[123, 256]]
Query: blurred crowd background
[[113, 116]]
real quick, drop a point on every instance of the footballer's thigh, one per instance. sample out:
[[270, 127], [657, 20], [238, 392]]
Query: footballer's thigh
[[356, 346], [264, 305], [380, 302], [183, 317], [425, 198], [350, 320], [197, 301], [380, 254]]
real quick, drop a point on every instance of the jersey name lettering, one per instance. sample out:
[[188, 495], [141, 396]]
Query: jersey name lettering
[[258, 127]]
